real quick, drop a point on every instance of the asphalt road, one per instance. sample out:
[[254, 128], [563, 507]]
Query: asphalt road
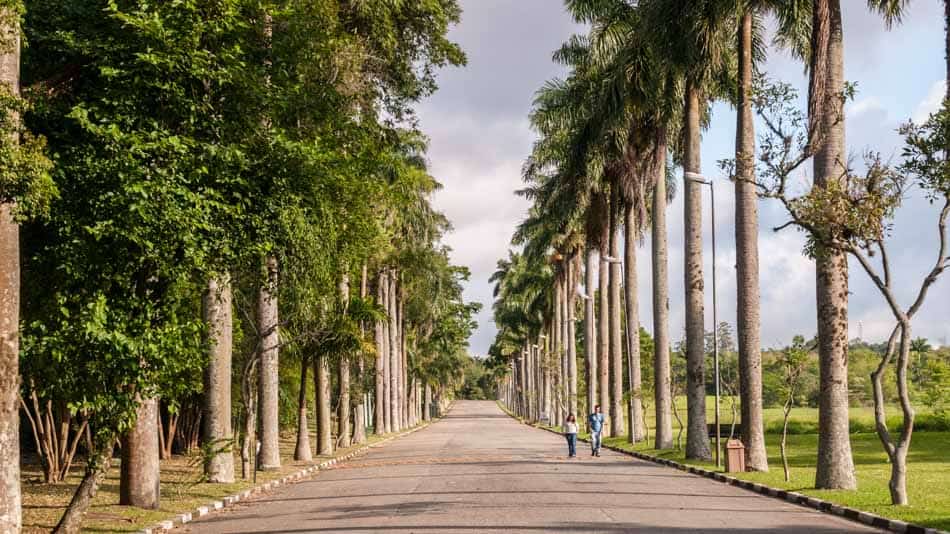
[[477, 470]]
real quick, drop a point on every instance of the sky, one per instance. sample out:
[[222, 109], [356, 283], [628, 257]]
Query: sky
[[480, 135]]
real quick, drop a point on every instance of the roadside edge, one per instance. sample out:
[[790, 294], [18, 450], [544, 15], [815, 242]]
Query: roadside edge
[[308, 472], [853, 514]]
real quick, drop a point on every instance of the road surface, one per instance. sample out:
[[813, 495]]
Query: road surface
[[477, 470]]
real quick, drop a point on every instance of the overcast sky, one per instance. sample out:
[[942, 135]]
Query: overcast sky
[[480, 136]]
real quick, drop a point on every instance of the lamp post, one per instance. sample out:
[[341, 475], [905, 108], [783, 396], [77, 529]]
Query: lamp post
[[700, 179]]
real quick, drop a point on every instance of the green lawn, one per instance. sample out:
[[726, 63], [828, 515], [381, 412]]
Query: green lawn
[[928, 463], [928, 478]]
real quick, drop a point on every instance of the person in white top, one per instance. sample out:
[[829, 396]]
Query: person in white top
[[570, 432]]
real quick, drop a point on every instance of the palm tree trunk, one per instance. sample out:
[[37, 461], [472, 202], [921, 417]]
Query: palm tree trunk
[[571, 335], [343, 410], [663, 400], [548, 375], [359, 417], [403, 362], [631, 289], [216, 419], [616, 334], [565, 343], [557, 343], [835, 468], [603, 325], [139, 480], [747, 262], [267, 320], [384, 407], [697, 437], [394, 358], [10, 506], [590, 329], [302, 451]]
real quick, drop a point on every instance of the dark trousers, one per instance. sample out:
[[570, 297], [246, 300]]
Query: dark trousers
[[571, 444]]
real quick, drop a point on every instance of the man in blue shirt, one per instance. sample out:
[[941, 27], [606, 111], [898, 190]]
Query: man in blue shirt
[[596, 423]]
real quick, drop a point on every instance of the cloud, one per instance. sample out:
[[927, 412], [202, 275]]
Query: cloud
[[479, 132], [862, 106], [931, 102], [480, 137]]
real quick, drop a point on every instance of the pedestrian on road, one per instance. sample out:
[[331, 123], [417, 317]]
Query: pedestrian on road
[[596, 423], [570, 432]]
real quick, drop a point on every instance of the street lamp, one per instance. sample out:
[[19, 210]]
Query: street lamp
[[700, 179]]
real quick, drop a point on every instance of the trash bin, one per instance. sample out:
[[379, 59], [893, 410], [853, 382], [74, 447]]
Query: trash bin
[[735, 456]]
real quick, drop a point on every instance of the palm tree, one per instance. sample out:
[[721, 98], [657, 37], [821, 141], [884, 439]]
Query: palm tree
[[662, 376], [826, 146], [636, 99], [794, 20], [522, 303], [695, 36]]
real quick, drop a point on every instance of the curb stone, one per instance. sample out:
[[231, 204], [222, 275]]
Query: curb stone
[[225, 502], [853, 514]]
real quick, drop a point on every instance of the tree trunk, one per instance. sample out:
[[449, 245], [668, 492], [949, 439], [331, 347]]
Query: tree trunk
[[420, 391], [603, 325], [10, 515], [359, 416], [167, 433], [381, 419], [324, 409], [394, 358], [343, 409], [565, 344], [549, 404], [140, 476], [269, 384], [10, 511], [590, 329], [96, 470], [571, 336], [249, 441], [785, 412], [631, 293], [835, 468], [216, 423], [557, 333], [896, 451], [302, 452], [663, 400], [403, 361], [747, 262], [616, 334], [697, 437], [427, 406]]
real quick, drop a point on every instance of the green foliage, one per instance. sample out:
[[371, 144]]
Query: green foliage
[[24, 166], [925, 153], [478, 384], [935, 385]]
